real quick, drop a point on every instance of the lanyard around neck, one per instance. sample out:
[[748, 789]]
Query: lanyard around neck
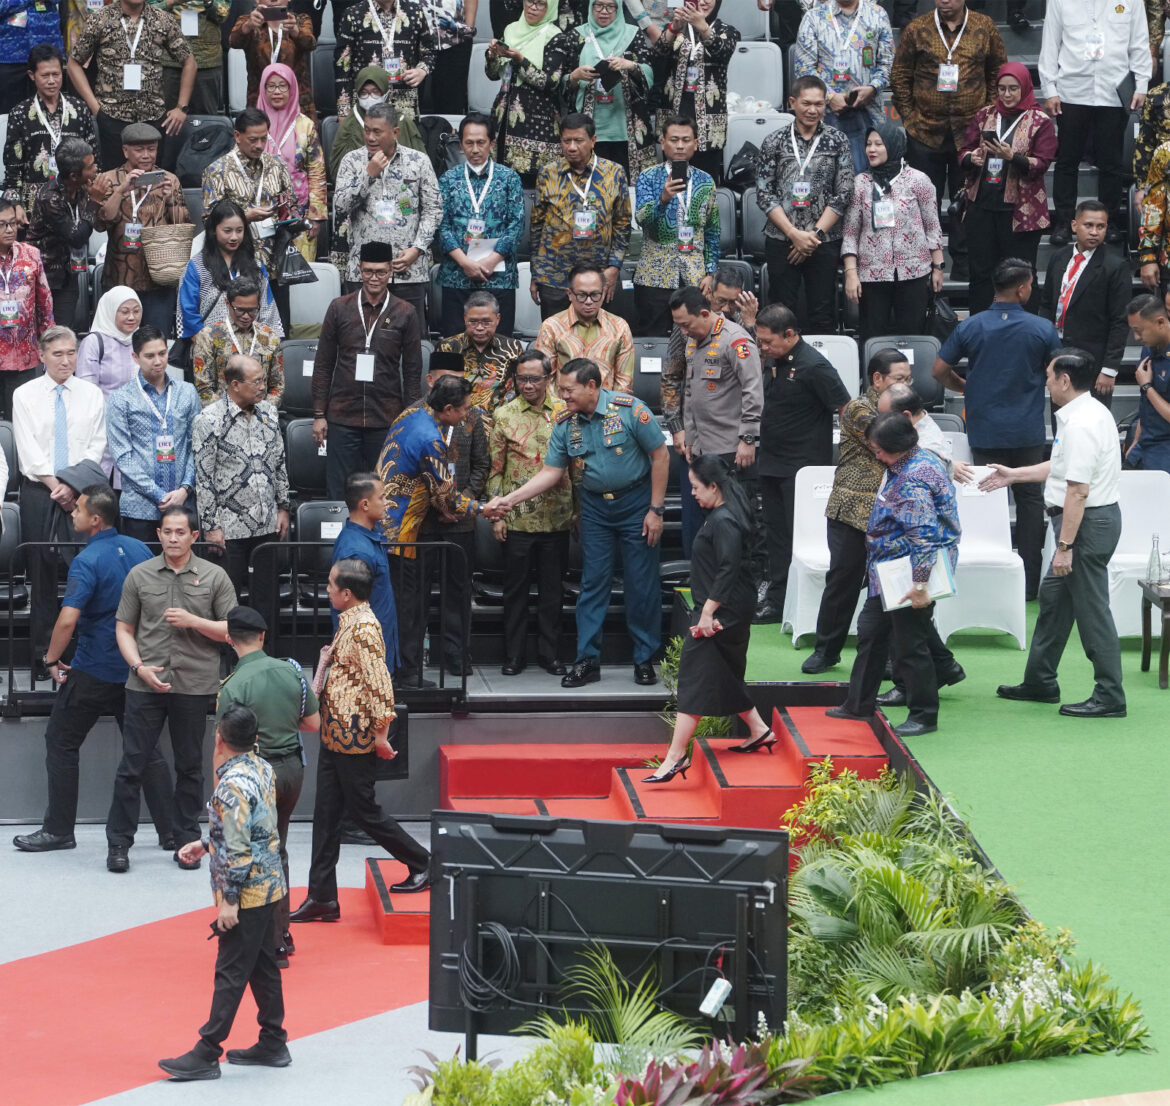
[[802, 166], [374, 325], [162, 415], [244, 174], [54, 138], [955, 45], [584, 192], [843, 39], [1005, 135], [136, 203], [232, 335], [389, 41], [476, 205], [274, 47], [137, 34]]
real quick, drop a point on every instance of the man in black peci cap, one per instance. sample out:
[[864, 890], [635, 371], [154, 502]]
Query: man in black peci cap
[[368, 369]]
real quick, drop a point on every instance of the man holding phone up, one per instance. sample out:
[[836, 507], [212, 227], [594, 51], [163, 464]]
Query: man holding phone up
[[679, 217]]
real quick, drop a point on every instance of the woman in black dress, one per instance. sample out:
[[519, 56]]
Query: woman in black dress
[[714, 657]]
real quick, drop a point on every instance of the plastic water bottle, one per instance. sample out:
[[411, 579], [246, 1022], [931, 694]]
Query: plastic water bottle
[[1154, 573]]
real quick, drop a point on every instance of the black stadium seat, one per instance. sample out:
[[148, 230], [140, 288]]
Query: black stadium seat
[[321, 74], [8, 444], [297, 401], [306, 465], [921, 351], [650, 360]]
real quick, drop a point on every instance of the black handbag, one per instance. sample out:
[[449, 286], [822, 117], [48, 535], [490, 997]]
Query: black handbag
[[289, 265], [941, 319], [741, 173]]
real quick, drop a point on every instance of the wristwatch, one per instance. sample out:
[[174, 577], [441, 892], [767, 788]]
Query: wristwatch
[[135, 667], [941, 268], [821, 234], [920, 587], [659, 511], [1064, 546], [748, 439], [184, 108], [1145, 388]]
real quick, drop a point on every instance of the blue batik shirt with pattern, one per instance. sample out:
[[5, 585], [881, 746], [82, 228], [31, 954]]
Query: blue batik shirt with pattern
[[245, 847]]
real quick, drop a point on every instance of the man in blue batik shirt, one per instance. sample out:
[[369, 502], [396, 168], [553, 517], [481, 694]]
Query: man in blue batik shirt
[[148, 424], [1151, 326], [482, 200]]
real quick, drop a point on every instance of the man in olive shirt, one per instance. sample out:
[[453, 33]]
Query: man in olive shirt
[[171, 615], [278, 693]]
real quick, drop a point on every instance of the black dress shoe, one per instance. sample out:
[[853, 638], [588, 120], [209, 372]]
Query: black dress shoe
[[554, 668], [818, 662], [118, 858], [895, 697], [412, 679], [355, 835], [1061, 236], [289, 943], [258, 1055], [1023, 693], [513, 666], [582, 673], [953, 675], [281, 956], [458, 666], [313, 911], [186, 865], [841, 712], [416, 881], [1018, 22], [644, 674], [191, 1065], [1091, 708], [915, 729], [168, 842], [766, 613], [44, 842]]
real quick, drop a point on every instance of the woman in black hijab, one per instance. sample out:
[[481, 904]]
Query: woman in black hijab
[[892, 243]]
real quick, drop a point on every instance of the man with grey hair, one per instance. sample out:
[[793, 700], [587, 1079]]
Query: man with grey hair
[[486, 355], [389, 193], [241, 480], [57, 421]]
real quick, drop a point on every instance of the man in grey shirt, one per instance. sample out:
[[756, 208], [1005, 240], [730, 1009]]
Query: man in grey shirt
[[172, 613]]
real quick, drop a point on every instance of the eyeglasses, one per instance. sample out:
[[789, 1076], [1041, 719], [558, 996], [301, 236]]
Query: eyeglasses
[[605, 7], [539, 5], [249, 311], [277, 86], [522, 380], [724, 301], [8, 224], [1007, 88], [587, 297]]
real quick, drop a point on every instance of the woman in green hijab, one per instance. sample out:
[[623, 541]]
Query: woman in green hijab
[[617, 94], [370, 87], [526, 110]]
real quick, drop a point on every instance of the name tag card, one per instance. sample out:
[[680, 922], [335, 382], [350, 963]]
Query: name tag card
[[651, 364], [948, 78], [307, 367], [364, 370], [132, 77], [330, 530], [189, 24]]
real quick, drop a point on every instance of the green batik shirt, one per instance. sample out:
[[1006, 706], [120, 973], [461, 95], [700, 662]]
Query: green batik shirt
[[241, 826], [207, 45]]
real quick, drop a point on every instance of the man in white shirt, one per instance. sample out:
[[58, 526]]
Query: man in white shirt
[[1081, 484], [57, 421], [1088, 49]]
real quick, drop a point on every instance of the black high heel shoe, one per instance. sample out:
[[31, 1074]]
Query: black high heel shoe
[[754, 744], [665, 777]]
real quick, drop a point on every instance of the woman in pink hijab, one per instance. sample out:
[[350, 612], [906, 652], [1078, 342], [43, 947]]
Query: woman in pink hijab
[[292, 137], [1006, 151]]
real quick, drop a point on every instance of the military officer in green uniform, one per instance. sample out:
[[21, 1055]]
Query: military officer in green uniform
[[623, 462], [278, 693]]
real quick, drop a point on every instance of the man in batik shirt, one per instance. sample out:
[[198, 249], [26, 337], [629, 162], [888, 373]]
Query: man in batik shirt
[[486, 355]]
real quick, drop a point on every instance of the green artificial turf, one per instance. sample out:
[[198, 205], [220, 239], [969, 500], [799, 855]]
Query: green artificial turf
[[1073, 814]]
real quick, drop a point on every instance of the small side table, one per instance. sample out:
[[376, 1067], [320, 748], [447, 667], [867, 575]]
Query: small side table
[[1156, 594]]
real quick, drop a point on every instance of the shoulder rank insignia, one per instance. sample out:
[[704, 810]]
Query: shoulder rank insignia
[[623, 400], [718, 327], [564, 416]]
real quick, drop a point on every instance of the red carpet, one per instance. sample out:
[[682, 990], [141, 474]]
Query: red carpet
[[92, 1019]]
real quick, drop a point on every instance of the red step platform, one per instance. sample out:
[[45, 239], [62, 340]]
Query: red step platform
[[605, 781]]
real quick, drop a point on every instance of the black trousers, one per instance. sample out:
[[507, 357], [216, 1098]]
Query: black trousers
[[237, 553], [455, 299], [246, 958], [893, 307], [444, 92], [710, 161], [653, 307], [618, 152], [1029, 508], [65, 302], [345, 785], [942, 166], [843, 583], [77, 706], [779, 495], [1082, 597], [543, 555], [904, 634], [1077, 125], [141, 528], [289, 771], [414, 580], [552, 300], [818, 275], [350, 449], [9, 382], [14, 86], [990, 239], [146, 711], [158, 309], [42, 520]]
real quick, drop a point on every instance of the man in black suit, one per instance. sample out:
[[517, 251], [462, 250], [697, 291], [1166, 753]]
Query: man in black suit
[[1087, 298]]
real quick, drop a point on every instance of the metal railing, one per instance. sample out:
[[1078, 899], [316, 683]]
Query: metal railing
[[286, 584]]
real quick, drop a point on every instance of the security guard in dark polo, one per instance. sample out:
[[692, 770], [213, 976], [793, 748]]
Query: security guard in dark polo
[[278, 693], [624, 464]]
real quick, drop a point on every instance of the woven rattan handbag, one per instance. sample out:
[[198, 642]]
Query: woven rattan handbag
[[167, 249]]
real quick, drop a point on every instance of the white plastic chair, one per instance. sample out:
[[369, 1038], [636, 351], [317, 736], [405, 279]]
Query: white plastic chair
[[328, 31], [841, 352], [237, 80], [745, 16], [756, 70], [751, 127], [960, 447], [527, 312], [481, 92], [1145, 511], [989, 579], [810, 552], [307, 303]]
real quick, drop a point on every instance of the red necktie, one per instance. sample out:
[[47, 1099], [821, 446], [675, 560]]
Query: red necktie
[[1070, 282]]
